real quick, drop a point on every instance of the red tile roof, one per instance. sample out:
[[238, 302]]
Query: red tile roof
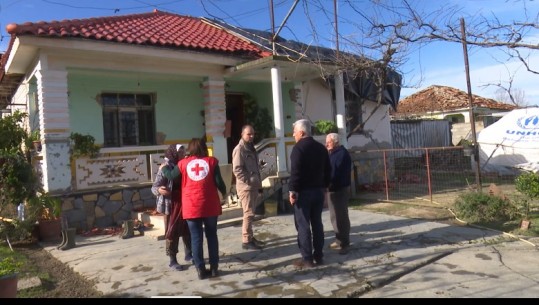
[[157, 28], [442, 98]]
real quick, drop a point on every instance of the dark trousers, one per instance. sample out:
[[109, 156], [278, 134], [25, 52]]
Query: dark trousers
[[307, 216], [197, 240], [338, 213]]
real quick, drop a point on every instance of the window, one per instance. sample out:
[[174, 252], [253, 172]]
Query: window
[[128, 119], [489, 120]]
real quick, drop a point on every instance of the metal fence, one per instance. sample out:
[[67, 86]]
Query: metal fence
[[436, 174]]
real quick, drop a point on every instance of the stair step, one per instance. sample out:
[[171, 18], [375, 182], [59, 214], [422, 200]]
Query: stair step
[[229, 217]]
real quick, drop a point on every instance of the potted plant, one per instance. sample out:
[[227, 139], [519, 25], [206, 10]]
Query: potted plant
[[9, 269], [47, 211], [35, 139]]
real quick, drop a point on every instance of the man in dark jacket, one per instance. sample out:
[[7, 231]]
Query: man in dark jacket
[[339, 192], [309, 179]]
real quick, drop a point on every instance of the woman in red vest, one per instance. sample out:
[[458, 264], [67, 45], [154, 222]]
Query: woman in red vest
[[201, 205]]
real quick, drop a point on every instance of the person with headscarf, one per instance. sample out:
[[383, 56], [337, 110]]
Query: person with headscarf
[[168, 192]]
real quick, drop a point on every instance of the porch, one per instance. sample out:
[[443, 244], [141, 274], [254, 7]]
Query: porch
[[116, 185]]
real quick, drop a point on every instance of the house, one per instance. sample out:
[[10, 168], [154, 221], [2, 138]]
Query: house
[[447, 103], [139, 82]]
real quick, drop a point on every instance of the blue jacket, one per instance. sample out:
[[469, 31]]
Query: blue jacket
[[341, 168]]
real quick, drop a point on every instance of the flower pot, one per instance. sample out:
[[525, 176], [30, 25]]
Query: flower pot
[[525, 224], [50, 229], [37, 145], [8, 286]]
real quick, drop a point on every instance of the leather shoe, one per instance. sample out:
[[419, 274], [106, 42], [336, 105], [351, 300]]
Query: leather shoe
[[214, 272], [258, 242], [203, 273], [251, 246], [344, 250], [301, 263], [319, 261]]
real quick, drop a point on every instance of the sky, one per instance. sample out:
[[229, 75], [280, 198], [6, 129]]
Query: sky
[[439, 63]]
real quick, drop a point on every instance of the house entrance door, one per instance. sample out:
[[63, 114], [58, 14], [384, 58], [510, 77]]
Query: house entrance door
[[236, 118]]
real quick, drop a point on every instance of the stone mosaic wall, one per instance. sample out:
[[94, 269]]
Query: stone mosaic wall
[[106, 208]]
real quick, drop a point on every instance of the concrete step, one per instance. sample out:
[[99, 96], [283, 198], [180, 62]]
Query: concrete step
[[229, 217], [158, 222]]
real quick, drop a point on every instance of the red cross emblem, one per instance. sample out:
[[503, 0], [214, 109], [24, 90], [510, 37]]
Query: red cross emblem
[[197, 169]]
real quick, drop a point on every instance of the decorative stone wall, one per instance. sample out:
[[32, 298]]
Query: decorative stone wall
[[106, 208]]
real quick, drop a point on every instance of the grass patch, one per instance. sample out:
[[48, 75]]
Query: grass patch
[[27, 270], [404, 208], [513, 226]]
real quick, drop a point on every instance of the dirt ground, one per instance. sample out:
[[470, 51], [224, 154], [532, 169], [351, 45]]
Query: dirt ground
[[58, 280]]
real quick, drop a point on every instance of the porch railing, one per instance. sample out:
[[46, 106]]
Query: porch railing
[[127, 165]]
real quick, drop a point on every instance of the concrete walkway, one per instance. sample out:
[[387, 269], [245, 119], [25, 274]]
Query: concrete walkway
[[390, 256]]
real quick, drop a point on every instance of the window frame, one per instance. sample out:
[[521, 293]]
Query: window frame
[[114, 128]]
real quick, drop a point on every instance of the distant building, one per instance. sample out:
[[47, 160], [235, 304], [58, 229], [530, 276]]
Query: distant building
[[447, 103]]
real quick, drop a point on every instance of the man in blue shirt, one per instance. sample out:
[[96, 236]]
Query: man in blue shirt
[[339, 192]]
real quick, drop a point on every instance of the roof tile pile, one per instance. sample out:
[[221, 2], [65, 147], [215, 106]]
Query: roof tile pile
[[442, 98]]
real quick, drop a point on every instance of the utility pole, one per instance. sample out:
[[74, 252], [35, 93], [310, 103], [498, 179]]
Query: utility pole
[[470, 100], [336, 29], [272, 20]]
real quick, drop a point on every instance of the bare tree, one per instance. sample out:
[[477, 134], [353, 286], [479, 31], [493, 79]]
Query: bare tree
[[387, 32], [508, 95]]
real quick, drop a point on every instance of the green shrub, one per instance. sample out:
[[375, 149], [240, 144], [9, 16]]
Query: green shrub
[[477, 207], [17, 178], [259, 118], [83, 146], [528, 184], [8, 266], [324, 127]]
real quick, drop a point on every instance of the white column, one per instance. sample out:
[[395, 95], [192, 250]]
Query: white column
[[298, 108], [278, 119], [54, 128], [215, 117], [340, 116]]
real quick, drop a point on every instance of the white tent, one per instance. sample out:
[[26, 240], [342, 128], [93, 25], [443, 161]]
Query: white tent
[[512, 142]]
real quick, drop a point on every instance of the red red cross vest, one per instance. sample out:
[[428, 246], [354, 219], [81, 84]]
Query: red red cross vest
[[200, 196]]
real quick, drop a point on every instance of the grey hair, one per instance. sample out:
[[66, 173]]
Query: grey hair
[[303, 125], [334, 138]]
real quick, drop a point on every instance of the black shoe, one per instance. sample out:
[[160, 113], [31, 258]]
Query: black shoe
[[250, 246], [258, 242], [214, 272], [319, 261], [203, 273], [344, 250]]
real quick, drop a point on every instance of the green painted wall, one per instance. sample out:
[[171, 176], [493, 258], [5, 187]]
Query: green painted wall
[[262, 93], [177, 110]]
